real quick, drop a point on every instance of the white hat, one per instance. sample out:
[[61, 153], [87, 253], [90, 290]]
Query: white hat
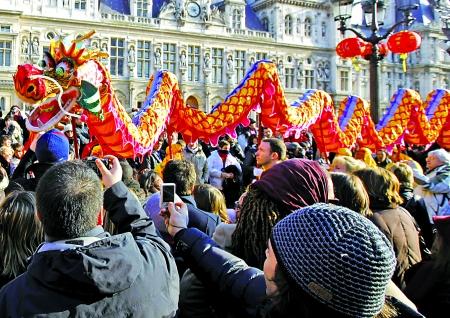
[[68, 127]]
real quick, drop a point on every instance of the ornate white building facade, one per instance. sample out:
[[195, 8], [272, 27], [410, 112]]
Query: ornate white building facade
[[211, 45]]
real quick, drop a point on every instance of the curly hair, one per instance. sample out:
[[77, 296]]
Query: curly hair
[[258, 216]]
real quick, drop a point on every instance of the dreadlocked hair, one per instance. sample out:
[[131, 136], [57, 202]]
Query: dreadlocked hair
[[258, 216]]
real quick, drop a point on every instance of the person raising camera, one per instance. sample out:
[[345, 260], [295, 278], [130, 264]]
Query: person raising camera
[[82, 270]]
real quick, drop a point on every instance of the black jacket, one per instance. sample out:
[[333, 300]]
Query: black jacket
[[238, 284], [131, 274]]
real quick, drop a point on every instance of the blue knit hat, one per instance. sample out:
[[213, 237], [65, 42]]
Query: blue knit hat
[[337, 256], [52, 147]]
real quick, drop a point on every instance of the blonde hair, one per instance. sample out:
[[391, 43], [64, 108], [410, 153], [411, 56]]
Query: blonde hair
[[366, 157], [350, 163], [210, 199], [5, 150]]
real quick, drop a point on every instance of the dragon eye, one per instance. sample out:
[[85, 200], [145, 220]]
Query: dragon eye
[[64, 68]]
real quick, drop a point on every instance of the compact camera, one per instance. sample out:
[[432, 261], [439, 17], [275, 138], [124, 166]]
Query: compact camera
[[90, 162]]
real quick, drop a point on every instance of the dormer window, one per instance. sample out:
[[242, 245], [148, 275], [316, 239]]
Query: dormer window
[[288, 25], [308, 27], [237, 18]]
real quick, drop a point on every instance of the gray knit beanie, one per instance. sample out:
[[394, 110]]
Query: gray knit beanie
[[337, 256]]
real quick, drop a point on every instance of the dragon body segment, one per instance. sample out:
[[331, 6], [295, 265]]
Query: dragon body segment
[[73, 81]]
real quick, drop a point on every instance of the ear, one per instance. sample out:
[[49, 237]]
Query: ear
[[101, 216], [274, 156]]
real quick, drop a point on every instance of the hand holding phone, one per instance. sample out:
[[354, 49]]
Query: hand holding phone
[[176, 217]]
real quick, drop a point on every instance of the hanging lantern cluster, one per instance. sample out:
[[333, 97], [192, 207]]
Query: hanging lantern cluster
[[351, 48], [404, 42], [355, 47]]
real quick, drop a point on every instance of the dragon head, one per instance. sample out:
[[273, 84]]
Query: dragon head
[[55, 86]]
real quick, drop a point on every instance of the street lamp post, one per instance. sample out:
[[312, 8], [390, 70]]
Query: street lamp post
[[371, 7]]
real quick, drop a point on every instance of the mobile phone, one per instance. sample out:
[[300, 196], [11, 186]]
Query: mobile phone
[[167, 194]]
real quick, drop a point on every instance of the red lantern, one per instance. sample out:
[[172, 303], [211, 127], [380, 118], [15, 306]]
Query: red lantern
[[383, 48], [367, 50], [350, 47], [404, 42]]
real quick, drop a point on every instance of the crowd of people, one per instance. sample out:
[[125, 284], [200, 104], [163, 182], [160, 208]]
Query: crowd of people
[[261, 226]]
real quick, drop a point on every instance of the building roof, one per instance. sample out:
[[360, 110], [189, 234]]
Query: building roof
[[115, 6], [252, 21]]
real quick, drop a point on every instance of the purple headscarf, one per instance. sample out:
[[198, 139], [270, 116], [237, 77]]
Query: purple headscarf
[[295, 183]]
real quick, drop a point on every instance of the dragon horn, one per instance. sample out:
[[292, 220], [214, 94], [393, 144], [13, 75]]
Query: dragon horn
[[84, 37]]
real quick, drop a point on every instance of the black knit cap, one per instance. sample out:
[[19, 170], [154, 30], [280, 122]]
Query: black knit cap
[[337, 256]]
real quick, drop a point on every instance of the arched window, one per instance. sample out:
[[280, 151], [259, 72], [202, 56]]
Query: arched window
[[237, 18], [191, 101], [265, 23], [288, 25], [308, 27]]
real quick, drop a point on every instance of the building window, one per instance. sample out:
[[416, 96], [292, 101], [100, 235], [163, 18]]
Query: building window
[[288, 25], [324, 29], [52, 3], [80, 4], [261, 56], [237, 17], [5, 53], [309, 78], [344, 80], [2, 103], [193, 63], [289, 77], [239, 64], [169, 57], [308, 27], [265, 23], [117, 56], [5, 28], [66, 3], [217, 66], [142, 8], [143, 59]]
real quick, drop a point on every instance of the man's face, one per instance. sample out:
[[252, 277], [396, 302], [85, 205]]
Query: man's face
[[158, 144], [18, 153], [433, 162], [264, 154], [193, 145], [225, 147], [69, 134], [267, 133], [381, 156]]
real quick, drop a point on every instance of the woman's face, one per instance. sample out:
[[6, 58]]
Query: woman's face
[[158, 183], [270, 264]]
